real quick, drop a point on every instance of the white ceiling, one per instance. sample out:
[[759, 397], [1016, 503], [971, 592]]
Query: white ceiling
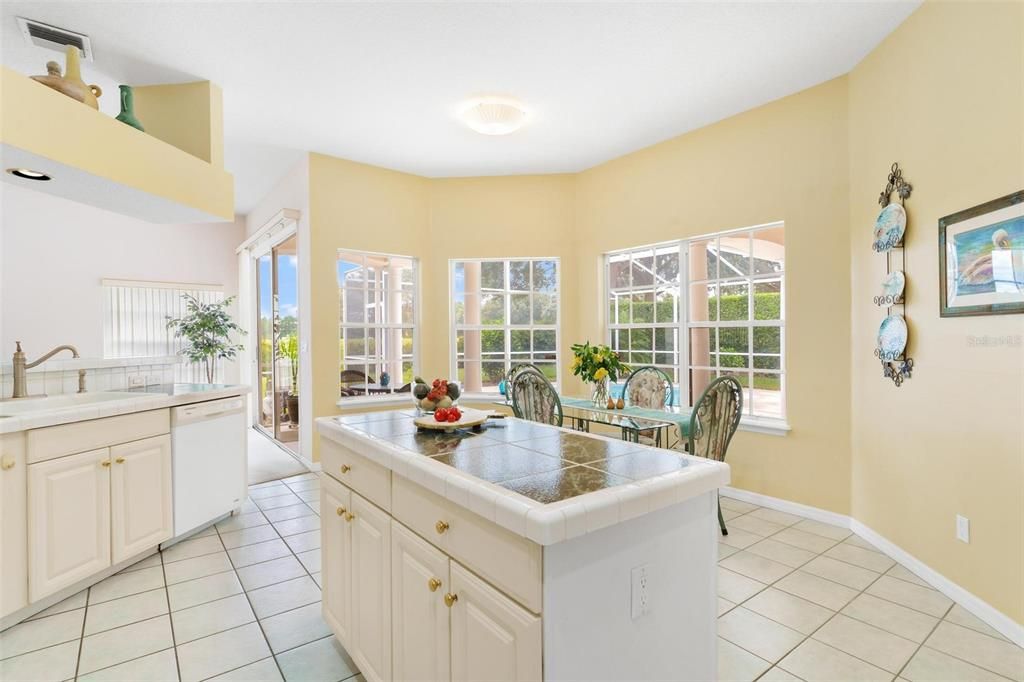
[[381, 82]]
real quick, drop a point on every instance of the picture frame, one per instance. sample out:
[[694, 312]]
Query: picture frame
[[981, 259]]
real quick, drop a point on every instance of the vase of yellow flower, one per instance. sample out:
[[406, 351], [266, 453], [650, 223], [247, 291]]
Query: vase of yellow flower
[[598, 365]]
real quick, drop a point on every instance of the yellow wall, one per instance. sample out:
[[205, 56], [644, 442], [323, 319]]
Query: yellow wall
[[783, 161], [187, 115], [943, 96]]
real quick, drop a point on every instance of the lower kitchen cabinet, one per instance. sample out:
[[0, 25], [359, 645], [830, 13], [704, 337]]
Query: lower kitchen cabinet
[[68, 520], [421, 632], [371, 590], [142, 515], [493, 638], [405, 610], [336, 551], [13, 524]]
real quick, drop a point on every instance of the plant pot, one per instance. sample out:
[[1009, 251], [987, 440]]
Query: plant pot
[[293, 408]]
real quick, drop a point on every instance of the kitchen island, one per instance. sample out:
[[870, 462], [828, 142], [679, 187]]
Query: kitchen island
[[518, 552]]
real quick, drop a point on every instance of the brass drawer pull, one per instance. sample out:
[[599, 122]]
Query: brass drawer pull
[[450, 599], [441, 527], [119, 460], [341, 511], [349, 516], [105, 463], [7, 463], [433, 584], [345, 468]]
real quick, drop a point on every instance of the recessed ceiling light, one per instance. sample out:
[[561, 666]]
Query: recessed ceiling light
[[494, 115], [28, 174]]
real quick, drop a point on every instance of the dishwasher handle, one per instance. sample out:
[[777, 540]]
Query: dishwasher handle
[[212, 409]]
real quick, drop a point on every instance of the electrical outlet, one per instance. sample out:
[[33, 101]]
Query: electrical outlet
[[640, 602], [136, 381], [963, 529]]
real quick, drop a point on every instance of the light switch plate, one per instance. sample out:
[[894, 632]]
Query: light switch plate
[[963, 529], [136, 381]]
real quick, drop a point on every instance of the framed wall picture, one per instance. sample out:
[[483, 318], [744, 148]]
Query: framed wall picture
[[981, 259]]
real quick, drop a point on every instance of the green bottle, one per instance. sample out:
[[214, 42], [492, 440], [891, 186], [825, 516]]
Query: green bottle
[[127, 114]]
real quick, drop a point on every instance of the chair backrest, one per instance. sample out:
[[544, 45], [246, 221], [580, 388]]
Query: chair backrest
[[516, 369], [715, 418], [648, 387], [535, 399]]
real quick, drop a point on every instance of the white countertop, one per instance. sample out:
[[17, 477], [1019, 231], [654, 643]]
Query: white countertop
[[170, 395], [545, 524]]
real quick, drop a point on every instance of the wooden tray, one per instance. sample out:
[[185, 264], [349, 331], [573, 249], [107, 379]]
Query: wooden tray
[[470, 419]]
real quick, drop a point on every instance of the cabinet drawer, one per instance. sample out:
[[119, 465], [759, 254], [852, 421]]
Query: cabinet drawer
[[68, 439], [509, 561], [367, 478]]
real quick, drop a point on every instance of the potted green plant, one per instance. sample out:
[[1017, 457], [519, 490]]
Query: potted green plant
[[597, 365], [288, 347], [207, 329]]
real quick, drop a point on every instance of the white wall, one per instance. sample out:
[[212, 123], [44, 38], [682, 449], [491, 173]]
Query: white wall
[[54, 252]]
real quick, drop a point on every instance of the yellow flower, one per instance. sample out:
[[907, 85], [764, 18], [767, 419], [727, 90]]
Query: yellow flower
[[600, 374], [576, 362]]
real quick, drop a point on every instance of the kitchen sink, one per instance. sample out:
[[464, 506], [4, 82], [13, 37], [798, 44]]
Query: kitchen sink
[[14, 408]]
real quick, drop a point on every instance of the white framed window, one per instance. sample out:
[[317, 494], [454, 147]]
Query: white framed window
[[703, 308], [378, 347], [503, 313], [644, 314], [135, 315]]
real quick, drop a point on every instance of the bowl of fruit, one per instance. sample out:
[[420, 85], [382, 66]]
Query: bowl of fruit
[[451, 418], [441, 394]]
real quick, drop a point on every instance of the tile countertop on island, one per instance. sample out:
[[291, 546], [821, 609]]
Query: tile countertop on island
[[141, 399], [545, 483]]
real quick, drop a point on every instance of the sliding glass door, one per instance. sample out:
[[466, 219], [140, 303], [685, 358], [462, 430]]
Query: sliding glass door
[[277, 331]]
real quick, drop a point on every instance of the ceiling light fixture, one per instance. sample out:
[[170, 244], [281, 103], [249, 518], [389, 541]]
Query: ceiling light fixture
[[494, 115], [28, 174]]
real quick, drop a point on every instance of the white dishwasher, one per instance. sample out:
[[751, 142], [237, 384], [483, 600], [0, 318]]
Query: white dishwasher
[[208, 444]]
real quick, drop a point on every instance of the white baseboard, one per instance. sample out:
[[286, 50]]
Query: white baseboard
[[781, 505], [987, 613]]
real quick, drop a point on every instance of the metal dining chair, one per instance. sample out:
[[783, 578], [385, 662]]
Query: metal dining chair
[[535, 399], [713, 422], [649, 388]]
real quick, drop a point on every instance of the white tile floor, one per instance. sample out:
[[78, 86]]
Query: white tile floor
[[803, 600], [798, 599], [240, 601]]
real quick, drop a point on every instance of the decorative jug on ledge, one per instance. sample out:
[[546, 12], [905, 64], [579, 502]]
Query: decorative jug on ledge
[[71, 84], [127, 114]]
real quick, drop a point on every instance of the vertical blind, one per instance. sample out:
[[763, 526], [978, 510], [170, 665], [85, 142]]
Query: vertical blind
[[135, 318]]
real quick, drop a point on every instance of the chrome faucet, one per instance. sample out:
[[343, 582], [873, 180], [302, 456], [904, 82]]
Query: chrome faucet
[[20, 367]]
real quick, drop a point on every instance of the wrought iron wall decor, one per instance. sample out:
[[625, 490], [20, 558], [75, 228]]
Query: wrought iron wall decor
[[890, 229]]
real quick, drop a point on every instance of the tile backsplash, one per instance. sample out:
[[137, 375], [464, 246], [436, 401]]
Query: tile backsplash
[[61, 376]]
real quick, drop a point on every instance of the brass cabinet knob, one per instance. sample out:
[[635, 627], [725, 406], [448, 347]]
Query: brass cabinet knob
[[7, 463], [441, 527], [433, 584], [341, 511], [105, 463], [450, 599], [345, 468], [119, 460], [349, 516]]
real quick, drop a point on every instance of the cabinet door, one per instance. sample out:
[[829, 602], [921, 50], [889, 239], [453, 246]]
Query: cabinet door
[[371, 590], [419, 619], [68, 520], [336, 556], [13, 524], [142, 512], [493, 638]]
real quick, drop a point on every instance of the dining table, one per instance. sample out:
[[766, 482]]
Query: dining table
[[633, 422]]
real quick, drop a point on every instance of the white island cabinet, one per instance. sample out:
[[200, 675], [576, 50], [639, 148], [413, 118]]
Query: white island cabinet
[[516, 552]]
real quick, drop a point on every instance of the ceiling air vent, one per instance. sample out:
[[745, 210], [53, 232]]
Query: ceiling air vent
[[53, 38]]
